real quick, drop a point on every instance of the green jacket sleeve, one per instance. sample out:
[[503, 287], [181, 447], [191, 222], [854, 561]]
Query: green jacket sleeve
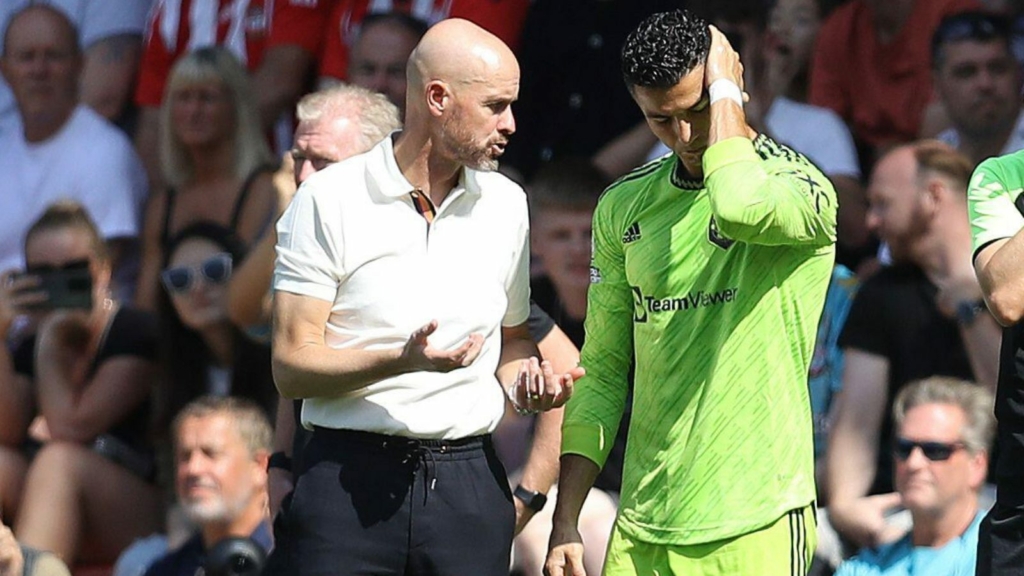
[[592, 415], [990, 203], [775, 200]]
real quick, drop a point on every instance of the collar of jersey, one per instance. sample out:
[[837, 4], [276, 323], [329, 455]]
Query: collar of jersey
[[681, 179]]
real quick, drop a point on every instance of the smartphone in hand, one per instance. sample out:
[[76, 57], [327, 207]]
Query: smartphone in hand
[[69, 286]]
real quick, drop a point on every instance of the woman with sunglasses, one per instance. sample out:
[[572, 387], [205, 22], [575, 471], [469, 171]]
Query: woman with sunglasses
[[84, 377], [213, 157], [202, 352]]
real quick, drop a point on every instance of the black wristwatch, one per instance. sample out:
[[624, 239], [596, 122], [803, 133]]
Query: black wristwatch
[[967, 311], [533, 500], [280, 460]]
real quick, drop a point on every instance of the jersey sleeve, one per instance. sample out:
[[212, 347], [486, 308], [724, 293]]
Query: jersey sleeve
[[300, 23], [769, 203], [308, 248], [990, 202], [592, 415]]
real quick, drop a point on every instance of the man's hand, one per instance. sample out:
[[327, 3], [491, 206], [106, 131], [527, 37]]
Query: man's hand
[[285, 180], [723, 61], [12, 562], [422, 356], [863, 520], [537, 388], [565, 553]]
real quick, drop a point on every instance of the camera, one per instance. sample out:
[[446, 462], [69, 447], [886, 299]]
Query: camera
[[235, 557]]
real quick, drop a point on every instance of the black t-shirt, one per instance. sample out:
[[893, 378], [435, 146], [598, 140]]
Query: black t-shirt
[[894, 316], [131, 333]]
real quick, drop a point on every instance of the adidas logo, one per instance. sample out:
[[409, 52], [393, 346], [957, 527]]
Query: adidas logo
[[632, 233]]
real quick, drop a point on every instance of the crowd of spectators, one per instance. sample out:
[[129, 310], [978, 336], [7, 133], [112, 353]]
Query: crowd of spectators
[[148, 146]]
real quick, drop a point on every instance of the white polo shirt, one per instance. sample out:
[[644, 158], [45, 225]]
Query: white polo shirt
[[352, 236]]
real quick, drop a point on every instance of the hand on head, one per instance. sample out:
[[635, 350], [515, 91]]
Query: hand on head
[[723, 62]]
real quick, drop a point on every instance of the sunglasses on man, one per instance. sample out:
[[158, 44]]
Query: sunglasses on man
[[902, 448], [214, 270]]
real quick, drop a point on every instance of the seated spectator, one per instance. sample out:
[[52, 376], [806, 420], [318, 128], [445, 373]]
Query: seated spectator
[[921, 317], [57, 148], [110, 37], [856, 71], [978, 82], [88, 370], [221, 447], [943, 430], [17, 560], [214, 157], [379, 54], [202, 353], [178, 27]]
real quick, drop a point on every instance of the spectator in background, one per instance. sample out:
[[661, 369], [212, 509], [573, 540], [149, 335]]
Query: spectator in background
[[978, 82], [201, 351], [285, 72], [59, 148], [215, 160], [944, 428], [379, 55], [871, 66], [921, 317], [111, 44], [572, 101], [18, 560], [503, 18], [88, 370], [177, 27], [221, 447]]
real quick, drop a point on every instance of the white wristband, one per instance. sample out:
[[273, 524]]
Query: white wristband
[[722, 89]]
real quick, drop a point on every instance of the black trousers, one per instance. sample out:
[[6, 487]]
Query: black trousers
[[368, 504]]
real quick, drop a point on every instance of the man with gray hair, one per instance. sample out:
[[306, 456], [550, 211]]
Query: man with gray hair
[[944, 428], [221, 447]]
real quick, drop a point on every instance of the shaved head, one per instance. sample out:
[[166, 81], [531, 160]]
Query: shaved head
[[459, 52], [462, 83]]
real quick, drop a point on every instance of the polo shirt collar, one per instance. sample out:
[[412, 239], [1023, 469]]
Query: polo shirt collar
[[393, 184]]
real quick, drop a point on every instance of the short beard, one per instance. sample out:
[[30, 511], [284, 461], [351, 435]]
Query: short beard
[[218, 510], [461, 147]]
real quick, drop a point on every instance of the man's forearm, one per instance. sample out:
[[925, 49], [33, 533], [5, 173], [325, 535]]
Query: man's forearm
[[576, 477], [1002, 280], [314, 371], [982, 341], [513, 352]]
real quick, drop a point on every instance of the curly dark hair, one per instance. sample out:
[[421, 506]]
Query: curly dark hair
[[664, 48]]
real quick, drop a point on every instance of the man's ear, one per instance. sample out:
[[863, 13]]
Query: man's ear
[[438, 97]]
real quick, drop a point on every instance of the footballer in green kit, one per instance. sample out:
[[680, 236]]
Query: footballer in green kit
[[710, 268]]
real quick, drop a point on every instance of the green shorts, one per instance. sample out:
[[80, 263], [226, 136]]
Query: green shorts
[[784, 548]]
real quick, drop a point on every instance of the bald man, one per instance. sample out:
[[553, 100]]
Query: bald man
[[400, 318]]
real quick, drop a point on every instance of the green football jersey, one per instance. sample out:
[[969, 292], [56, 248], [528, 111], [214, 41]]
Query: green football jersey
[[992, 198], [715, 287]]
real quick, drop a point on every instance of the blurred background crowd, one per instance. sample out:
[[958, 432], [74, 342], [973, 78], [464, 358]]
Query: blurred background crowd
[[148, 146]]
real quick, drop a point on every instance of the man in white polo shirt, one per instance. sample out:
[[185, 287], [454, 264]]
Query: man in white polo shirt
[[400, 317]]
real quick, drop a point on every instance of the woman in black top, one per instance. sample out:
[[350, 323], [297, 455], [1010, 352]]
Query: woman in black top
[[84, 380]]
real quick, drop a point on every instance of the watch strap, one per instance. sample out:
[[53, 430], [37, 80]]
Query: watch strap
[[533, 500]]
